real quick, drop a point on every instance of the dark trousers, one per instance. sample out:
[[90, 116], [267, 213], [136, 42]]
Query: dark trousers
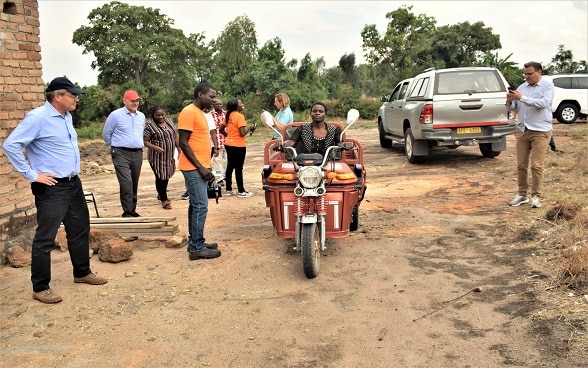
[[161, 187], [235, 161], [62, 202], [127, 164]]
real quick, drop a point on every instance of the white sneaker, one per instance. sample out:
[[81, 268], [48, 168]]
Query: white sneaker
[[230, 192], [518, 200], [245, 194], [535, 202]]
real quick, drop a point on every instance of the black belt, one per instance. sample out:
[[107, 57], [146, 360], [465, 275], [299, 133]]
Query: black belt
[[130, 149], [66, 179]]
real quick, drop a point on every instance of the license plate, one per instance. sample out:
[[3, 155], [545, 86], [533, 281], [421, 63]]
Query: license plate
[[469, 130]]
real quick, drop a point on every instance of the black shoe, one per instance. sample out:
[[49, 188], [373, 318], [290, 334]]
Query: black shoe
[[135, 214], [208, 246], [126, 214], [185, 195], [205, 253]]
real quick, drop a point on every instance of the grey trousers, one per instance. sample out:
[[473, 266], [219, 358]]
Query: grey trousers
[[127, 164]]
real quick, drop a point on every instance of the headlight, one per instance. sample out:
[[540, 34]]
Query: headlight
[[310, 177]]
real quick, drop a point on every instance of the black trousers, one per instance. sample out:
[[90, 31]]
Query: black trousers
[[161, 187], [127, 164], [235, 161], [64, 203]]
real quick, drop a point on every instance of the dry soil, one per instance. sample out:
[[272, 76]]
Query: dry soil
[[429, 280]]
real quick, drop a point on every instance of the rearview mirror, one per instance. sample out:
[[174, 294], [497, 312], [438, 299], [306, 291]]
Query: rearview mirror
[[352, 116], [267, 119]]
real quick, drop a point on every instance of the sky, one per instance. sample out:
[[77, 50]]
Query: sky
[[529, 30]]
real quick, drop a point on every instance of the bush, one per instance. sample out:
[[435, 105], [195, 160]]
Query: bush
[[90, 131]]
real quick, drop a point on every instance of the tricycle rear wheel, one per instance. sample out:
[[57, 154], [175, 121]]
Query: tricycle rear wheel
[[311, 252], [354, 219]]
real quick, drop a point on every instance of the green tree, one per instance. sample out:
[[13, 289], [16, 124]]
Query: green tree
[[403, 48], [463, 44], [347, 65], [563, 62], [269, 74], [512, 73], [129, 42], [333, 79], [234, 50]]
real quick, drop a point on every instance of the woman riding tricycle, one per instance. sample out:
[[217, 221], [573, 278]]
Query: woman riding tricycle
[[314, 181]]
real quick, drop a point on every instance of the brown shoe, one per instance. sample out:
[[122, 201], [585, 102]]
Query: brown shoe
[[166, 205], [47, 297], [91, 279]]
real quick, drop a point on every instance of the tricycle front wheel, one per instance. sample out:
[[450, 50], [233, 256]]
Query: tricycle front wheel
[[311, 252]]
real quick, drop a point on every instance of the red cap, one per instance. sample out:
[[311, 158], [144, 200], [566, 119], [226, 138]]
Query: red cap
[[131, 95]]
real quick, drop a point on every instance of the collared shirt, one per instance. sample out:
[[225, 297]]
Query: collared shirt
[[219, 119], [534, 108], [123, 129], [284, 116], [51, 143]]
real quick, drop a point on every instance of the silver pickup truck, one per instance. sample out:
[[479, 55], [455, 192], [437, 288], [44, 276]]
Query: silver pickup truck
[[447, 108]]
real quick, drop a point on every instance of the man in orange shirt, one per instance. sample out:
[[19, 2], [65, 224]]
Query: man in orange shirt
[[194, 162]]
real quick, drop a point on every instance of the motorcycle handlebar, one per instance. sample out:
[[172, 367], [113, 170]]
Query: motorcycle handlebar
[[343, 146]]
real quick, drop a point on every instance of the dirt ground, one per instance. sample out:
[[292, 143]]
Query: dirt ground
[[430, 279]]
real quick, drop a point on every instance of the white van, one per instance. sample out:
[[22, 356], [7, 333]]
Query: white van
[[570, 99]]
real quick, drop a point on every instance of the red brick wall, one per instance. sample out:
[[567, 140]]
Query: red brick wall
[[21, 90]]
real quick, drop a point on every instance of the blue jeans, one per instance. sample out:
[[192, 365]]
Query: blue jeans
[[197, 188]]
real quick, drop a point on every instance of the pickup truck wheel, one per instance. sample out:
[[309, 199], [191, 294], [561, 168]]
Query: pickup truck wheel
[[566, 113], [408, 148], [486, 149], [384, 142]]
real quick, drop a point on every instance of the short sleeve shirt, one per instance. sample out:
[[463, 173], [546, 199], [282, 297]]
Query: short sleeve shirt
[[193, 119]]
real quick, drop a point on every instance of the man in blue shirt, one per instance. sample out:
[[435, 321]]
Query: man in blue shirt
[[123, 132], [533, 101], [53, 165]]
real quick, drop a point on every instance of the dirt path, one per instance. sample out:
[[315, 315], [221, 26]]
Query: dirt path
[[429, 280]]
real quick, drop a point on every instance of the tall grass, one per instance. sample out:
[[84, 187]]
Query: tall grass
[[91, 131]]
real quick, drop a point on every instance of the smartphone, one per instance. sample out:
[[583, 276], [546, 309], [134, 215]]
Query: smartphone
[[510, 89]]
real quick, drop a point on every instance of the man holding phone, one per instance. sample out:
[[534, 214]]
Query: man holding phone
[[533, 101]]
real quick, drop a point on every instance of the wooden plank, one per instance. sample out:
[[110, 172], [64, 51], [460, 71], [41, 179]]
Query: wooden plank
[[124, 234], [162, 229], [128, 220], [134, 226]]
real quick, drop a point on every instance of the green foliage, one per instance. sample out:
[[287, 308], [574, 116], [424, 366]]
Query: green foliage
[[90, 131], [404, 45], [563, 63], [129, 41], [138, 48], [463, 44], [512, 73], [235, 48], [347, 65]]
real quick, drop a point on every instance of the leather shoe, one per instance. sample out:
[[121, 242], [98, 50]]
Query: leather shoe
[[207, 245], [205, 254], [91, 279], [47, 297]]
